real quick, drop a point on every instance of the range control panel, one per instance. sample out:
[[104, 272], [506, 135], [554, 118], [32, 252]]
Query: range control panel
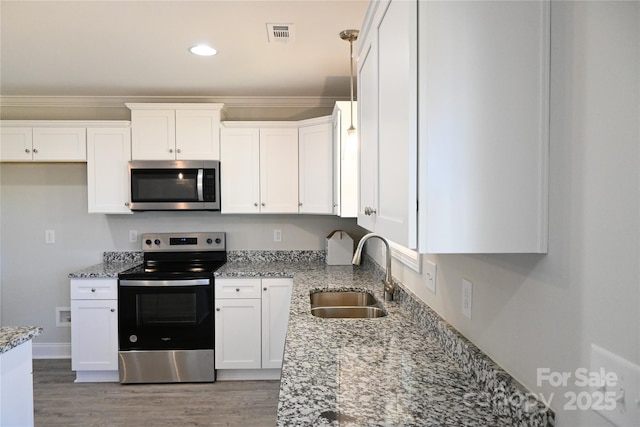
[[177, 242]]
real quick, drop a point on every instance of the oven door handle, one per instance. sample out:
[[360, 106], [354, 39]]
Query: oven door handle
[[165, 283]]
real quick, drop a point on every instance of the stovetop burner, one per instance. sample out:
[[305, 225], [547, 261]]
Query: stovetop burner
[[179, 255]]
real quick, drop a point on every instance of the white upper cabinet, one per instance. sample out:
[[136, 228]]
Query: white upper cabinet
[[175, 131], [108, 154], [279, 170], [316, 175], [453, 124], [45, 141], [259, 167], [240, 173], [345, 160]]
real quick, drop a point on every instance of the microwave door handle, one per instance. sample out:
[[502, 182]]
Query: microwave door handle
[[200, 185]]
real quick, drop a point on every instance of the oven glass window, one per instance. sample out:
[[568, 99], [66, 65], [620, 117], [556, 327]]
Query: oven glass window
[[164, 185], [167, 309]]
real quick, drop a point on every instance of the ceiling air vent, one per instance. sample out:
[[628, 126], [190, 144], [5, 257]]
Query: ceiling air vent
[[280, 33]]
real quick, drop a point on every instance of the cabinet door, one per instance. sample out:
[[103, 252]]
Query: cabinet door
[[16, 386], [336, 124], [368, 132], [198, 134], [397, 195], [345, 160], [237, 330], [108, 153], [94, 335], [484, 143], [153, 134], [316, 169], [59, 144], [276, 298], [240, 170], [278, 170], [16, 144]]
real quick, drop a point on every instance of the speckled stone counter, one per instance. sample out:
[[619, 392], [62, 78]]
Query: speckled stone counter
[[112, 264], [13, 336], [409, 368]]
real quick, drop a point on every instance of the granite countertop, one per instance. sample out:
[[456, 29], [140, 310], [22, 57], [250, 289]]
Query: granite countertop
[[112, 264], [387, 371], [13, 336]]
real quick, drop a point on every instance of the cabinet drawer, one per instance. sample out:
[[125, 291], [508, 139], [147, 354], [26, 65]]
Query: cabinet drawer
[[94, 289], [237, 288]]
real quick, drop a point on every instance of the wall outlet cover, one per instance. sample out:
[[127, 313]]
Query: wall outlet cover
[[467, 298], [615, 388], [431, 274]]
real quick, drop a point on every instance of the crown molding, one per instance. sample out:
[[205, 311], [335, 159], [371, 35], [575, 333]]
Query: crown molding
[[120, 101]]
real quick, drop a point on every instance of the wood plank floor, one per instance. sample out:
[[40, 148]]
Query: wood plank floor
[[58, 401]]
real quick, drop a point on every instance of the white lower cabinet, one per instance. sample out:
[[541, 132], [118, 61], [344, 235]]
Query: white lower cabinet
[[250, 326], [94, 329], [276, 299], [16, 386]]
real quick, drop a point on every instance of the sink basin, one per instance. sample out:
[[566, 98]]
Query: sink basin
[[348, 312], [341, 299], [346, 305]]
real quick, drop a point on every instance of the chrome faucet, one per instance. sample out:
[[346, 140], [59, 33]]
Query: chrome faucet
[[388, 281]]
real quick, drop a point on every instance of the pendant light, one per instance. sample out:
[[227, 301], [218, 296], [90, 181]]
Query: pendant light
[[350, 36]]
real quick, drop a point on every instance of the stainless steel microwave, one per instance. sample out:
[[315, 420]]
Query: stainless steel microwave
[[174, 185]]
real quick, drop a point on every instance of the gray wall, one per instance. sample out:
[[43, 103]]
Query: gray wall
[[41, 196]]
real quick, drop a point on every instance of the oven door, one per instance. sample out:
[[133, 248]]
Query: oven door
[[165, 314]]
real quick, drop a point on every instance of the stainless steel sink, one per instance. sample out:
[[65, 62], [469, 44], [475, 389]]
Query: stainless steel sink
[[341, 299], [348, 312], [348, 305]]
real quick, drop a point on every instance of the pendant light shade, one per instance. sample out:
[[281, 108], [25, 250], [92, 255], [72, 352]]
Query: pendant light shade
[[350, 36]]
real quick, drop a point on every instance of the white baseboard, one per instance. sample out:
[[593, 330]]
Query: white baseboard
[[52, 350]]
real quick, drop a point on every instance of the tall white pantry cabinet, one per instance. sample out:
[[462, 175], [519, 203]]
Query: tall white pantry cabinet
[[453, 120]]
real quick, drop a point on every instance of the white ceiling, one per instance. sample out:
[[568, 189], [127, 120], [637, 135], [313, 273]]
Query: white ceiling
[[140, 48]]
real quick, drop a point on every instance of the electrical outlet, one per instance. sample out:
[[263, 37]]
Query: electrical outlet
[[133, 236], [49, 237], [467, 298], [277, 235], [431, 276], [615, 387]]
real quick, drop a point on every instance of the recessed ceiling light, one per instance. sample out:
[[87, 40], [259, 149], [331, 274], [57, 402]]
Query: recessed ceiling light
[[203, 50]]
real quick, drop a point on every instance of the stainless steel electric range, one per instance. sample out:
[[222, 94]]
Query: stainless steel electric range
[[165, 309]]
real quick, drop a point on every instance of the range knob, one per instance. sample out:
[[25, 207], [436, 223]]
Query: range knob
[[209, 241], [157, 241], [218, 240], [148, 241]]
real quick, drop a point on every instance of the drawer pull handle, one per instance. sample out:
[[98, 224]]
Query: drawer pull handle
[[93, 289], [237, 289], [218, 309], [264, 289], [113, 310]]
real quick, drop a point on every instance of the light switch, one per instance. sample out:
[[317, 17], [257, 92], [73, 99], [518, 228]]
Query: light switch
[[49, 237]]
